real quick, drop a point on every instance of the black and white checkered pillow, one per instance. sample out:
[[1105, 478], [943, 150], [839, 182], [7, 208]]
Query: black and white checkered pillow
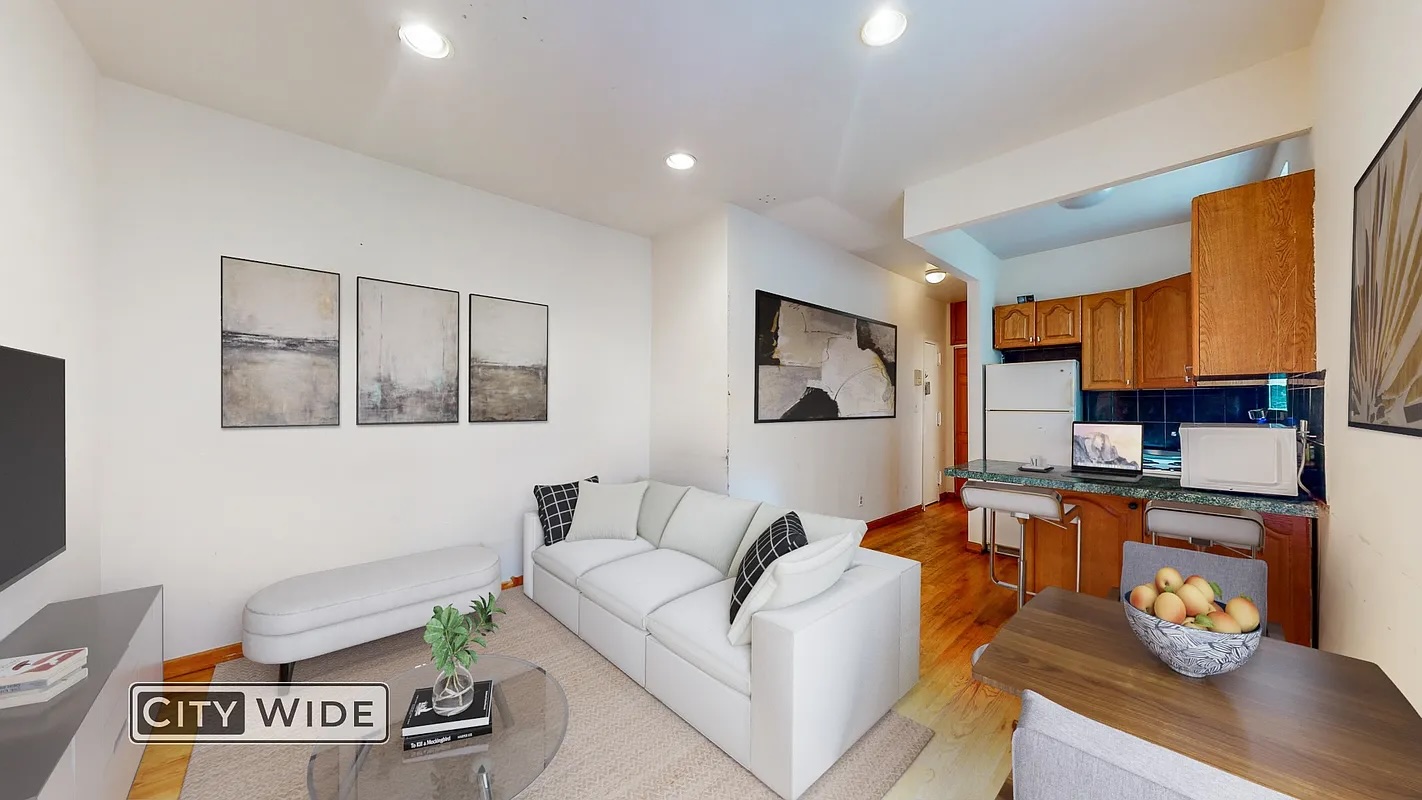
[[556, 505], [783, 536]]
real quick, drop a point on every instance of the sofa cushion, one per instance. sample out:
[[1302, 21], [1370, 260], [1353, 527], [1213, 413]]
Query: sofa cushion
[[567, 561], [782, 537], [794, 578], [607, 511], [709, 526], [556, 504], [632, 588], [306, 602], [658, 504], [818, 527], [694, 627]]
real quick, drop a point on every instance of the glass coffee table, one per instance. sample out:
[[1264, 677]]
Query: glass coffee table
[[530, 717]]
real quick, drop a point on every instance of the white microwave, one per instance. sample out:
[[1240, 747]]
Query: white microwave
[[1259, 459]]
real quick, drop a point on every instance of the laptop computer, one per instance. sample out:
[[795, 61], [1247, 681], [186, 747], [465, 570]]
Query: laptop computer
[[1107, 451]]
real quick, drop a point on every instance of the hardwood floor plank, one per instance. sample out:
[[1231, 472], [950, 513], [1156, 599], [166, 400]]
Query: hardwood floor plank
[[970, 755]]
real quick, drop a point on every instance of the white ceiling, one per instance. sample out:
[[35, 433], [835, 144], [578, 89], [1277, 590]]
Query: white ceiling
[[572, 104], [1139, 205]]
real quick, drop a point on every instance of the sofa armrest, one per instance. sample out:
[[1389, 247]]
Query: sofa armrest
[[532, 540], [822, 673]]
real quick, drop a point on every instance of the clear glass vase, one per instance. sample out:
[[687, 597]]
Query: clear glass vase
[[453, 693]]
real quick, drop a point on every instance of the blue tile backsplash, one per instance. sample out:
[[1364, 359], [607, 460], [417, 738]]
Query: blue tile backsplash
[[1162, 410]]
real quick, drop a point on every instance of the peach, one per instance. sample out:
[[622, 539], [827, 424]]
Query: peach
[[1170, 608], [1195, 602], [1167, 579], [1209, 590], [1223, 623], [1143, 597], [1243, 610]]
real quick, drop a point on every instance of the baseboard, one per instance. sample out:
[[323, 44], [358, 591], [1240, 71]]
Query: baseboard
[[974, 547], [944, 497], [516, 580], [194, 662], [897, 516]]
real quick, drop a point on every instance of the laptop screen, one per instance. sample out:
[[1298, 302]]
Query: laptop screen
[[1106, 446]]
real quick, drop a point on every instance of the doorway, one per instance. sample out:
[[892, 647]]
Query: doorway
[[932, 424]]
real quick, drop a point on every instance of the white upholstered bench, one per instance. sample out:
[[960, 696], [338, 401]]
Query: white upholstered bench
[[311, 615]]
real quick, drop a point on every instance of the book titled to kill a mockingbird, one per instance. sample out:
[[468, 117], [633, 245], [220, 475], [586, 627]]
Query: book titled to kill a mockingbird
[[424, 728]]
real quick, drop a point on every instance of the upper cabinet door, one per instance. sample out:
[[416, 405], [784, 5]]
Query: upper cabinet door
[[958, 323], [1164, 334], [1014, 326], [1108, 340], [1252, 257], [1059, 321]]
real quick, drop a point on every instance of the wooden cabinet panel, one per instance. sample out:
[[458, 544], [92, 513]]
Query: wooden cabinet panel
[[1059, 321], [1252, 257], [1288, 550], [1108, 340], [960, 411], [1164, 334], [958, 322], [1107, 523], [1014, 326]]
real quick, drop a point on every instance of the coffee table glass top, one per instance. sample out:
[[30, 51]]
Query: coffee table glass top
[[530, 716]]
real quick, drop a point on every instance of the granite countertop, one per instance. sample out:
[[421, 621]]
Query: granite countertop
[[1148, 487]]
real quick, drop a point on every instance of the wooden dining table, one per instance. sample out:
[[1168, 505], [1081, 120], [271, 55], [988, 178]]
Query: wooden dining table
[[1300, 721]]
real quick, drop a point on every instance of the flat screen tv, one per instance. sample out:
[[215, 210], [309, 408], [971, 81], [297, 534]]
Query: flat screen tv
[[31, 462]]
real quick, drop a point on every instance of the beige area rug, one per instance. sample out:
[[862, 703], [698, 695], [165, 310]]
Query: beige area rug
[[621, 742]]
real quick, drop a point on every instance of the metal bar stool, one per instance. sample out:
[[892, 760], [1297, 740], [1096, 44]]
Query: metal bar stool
[[1023, 503], [1239, 530]]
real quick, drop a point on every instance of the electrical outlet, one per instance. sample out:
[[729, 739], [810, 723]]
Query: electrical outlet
[[861, 501]]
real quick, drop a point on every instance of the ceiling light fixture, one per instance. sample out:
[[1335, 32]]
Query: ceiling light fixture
[[935, 275], [885, 27], [681, 161], [1087, 200], [425, 40]]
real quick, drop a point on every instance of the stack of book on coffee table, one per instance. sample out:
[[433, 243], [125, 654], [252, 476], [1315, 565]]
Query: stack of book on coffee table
[[424, 728], [40, 677]]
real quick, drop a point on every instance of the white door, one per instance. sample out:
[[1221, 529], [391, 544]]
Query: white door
[[932, 389]]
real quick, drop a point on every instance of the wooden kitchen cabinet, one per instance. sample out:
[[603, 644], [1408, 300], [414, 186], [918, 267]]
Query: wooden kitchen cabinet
[[1058, 321], [1108, 340], [1014, 326], [1251, 254], [958, 322], [1164, 334], [1107, 523]]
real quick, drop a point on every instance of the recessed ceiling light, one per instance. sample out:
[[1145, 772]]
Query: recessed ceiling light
[[934, 275], [425, 40], [1087, 200], [681, 161], [886, 26]]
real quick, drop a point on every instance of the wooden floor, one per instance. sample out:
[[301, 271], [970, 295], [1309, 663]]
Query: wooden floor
[[969, 756]]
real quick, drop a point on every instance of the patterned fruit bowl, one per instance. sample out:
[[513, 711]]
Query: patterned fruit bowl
[[1194, 652]]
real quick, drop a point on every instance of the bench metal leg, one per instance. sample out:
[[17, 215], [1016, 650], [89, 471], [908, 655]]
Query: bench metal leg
[[285, 672]]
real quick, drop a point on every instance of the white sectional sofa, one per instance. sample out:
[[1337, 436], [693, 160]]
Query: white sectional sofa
[[816, 675]]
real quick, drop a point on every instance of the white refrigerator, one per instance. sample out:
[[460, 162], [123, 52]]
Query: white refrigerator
[[1029, 411]]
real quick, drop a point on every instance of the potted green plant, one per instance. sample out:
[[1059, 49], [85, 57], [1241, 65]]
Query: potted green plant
[[452, 638]]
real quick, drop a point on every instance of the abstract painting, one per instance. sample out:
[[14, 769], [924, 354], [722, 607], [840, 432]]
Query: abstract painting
[[508, 360], [813, 362], [281, 345], [1385, 359], [407, 353]]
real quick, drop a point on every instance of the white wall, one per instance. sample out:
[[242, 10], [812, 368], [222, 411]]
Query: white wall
[[826, 466], [216, 514], [1263, 103], [1367, 68], [48, 272], [1119, 262], [689, 312], [1296, 152]]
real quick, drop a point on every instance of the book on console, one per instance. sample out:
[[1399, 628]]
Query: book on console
[[13, 699], [40, 670], [425, 740], [422, 720]]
